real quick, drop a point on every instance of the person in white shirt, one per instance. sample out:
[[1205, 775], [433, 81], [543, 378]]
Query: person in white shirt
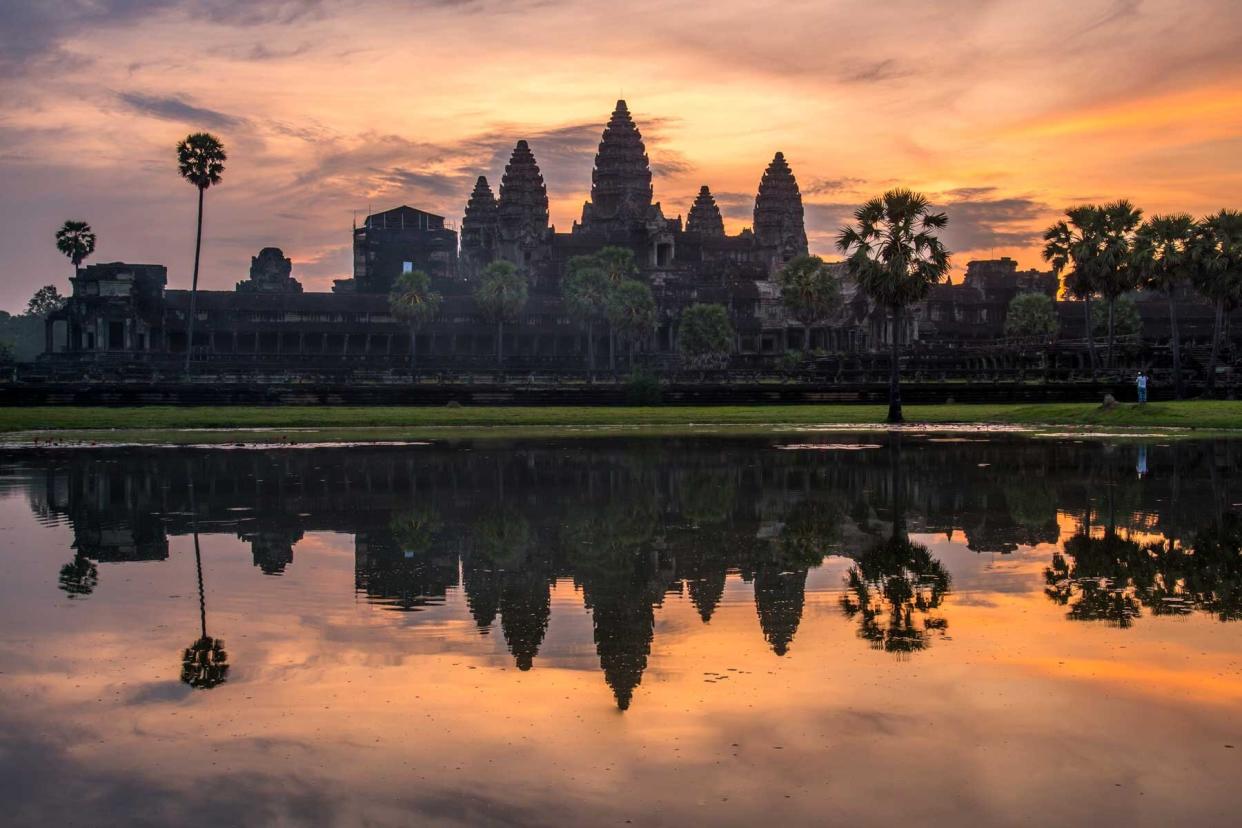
[[1141, 382]]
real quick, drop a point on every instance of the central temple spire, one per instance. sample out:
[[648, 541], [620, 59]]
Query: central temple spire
[[780, 229], [522, 211], [621, 181]]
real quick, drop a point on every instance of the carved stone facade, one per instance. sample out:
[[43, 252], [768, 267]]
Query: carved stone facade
[[270, 272]]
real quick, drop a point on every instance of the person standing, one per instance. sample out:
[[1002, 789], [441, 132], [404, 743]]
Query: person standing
[[1141, 383]]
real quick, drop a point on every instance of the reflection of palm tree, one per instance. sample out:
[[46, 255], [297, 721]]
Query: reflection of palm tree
[[1112, 578], [79, 577], [204, 664], [894, 579]]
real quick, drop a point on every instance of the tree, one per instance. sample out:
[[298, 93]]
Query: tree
[[1117, 274], [205, 663], [1126, 319], [46, 299], [1164, 258], [811, 292], [585, 290], [1031, 315], [631, 313], [1217, 252], [413, 301], [200, 160], [618, 265], [77, 241], [501, 296], [705, 333], [895, 257], [1068, 243]]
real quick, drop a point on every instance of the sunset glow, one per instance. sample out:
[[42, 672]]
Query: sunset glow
[[1005, 112]]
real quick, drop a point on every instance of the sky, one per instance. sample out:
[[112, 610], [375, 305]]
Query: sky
[[1004, 112]]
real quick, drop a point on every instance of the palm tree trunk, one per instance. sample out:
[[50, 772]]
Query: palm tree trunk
[[1176, 341], [1111, 301], [894, 370], [612, 348], [500, 344], [806, 340], [413, 348], [1086, 307], [591, 345], [198, 247], [1211, 377], [202, 596]]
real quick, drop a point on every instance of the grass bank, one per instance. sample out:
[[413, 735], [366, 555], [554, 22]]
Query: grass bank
[[332, 424]]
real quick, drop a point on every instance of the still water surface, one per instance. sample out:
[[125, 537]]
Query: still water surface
[[871, 630]]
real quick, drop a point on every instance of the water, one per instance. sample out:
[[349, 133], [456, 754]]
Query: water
[[958, 630]]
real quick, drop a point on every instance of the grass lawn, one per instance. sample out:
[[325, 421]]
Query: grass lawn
[[158, 424]]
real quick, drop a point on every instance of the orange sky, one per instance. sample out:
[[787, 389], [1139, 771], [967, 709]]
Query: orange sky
[[1004, 111]]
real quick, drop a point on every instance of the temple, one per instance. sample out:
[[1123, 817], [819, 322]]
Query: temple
[[122, 312]]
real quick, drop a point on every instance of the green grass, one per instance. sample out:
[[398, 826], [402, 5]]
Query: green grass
[[333, 424]]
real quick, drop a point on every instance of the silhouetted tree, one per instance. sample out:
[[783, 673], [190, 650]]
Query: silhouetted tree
[[1217, 252], [200, 160], [895, 257], [1163, 252], [413, 301], [76, 240], [810, 291], [501, 296]]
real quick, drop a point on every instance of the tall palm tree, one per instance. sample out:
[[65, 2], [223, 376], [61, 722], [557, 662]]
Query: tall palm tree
[[1217, 252], [895, 257], [77, 241], [1117, 274], [204, 664], [618, 265], [1163, 255], [810, 292], [200, 160], [1073, 241], [631, 313], [501, 296], [413, 300], [585, 291]]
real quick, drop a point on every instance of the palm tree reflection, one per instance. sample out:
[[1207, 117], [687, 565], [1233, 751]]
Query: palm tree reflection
[[204, 664], [79, 577]]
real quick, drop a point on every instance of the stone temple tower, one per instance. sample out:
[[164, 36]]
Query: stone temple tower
[[522, 212], [621, 181], [704, 218], [479, 229], [780, 229]]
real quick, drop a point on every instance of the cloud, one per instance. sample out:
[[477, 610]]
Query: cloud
[[873, 72], [978, 224], [175, 108], [828, 186]]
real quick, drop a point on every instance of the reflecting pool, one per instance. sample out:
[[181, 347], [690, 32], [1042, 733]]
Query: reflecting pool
[[946, 629]]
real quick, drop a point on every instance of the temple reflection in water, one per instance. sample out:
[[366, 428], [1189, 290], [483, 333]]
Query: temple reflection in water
[[629, 523]]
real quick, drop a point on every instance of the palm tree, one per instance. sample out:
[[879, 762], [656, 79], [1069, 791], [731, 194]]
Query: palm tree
[[413, 300], [1217, 252], [631, 313], [895, 257], [1163, 254], [1072, 242], [79, 577], [618, 265], [1117, 274], [501, 296], [77, 241], [200, 160], [585, 290], [810, 292]]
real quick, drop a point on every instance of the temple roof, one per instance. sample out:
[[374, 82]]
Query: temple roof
[[704, 217], [523, 196], [779, 220], [621, 180]]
